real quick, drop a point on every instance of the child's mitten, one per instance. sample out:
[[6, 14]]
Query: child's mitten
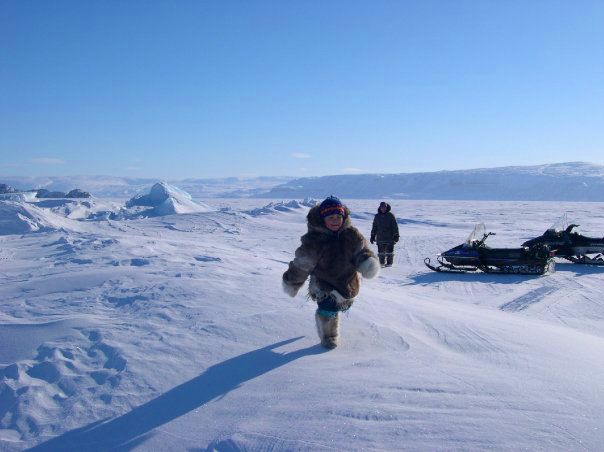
[[290, 290], [369, 268]]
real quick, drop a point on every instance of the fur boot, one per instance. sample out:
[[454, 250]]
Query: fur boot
[[327, 328], [389, 260]]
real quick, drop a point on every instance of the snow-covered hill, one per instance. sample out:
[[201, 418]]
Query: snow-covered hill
[[172, 333], [576, 181]]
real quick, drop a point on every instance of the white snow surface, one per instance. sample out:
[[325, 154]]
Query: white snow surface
[[172, 333]]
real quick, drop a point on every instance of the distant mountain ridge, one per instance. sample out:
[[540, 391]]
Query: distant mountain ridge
[[573, 181]]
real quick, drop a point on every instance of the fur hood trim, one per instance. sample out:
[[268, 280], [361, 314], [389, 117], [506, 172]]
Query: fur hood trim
[[388, 208], [316, 223]]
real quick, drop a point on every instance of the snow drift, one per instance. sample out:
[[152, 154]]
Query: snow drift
[[78, 209], [23, 218], [18, 196], [273, 207]]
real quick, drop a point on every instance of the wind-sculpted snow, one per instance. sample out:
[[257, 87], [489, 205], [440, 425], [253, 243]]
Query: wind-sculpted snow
[[22, 196], [172, 333], [43, 215], [78, 209], [23, 218], [282, 206], [21, 214]]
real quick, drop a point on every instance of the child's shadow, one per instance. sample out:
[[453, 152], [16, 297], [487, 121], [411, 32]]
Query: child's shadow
[[133, 428]]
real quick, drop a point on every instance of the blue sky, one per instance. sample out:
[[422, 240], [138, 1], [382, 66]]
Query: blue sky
[[237, 88]]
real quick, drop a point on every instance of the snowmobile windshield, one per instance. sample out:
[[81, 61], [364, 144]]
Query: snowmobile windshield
[[476, 235], [559, 225]]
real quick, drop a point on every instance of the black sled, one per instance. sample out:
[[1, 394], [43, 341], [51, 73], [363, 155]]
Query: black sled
[[473, 256], [571, 245]]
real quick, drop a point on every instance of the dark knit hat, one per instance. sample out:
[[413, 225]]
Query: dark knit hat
[[383, 204], [331, 206]]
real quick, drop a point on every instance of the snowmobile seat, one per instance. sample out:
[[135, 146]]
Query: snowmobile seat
[[506, 253]]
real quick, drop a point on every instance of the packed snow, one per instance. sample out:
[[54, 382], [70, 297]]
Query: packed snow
[[171, 332]]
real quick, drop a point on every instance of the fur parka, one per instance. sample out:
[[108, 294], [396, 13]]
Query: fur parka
[[332, 259], [384, 228]]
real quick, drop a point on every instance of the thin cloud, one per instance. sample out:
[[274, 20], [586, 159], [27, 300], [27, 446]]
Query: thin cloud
[[47, 161], [299, 155]]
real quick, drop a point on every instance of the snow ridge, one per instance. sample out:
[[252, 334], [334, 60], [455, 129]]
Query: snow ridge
[[282, 206], [22, 213]]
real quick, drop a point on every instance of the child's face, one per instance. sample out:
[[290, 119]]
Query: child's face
[[334, 222]]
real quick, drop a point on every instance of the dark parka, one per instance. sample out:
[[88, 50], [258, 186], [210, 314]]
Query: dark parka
[[331, 258], [385, 228]]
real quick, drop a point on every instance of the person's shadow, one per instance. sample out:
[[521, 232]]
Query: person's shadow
[[135, 427]]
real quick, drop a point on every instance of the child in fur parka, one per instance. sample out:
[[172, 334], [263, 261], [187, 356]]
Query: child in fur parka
[[332, 253]]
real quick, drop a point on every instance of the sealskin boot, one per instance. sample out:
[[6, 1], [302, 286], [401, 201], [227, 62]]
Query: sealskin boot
[[389, 260], [327, 328]]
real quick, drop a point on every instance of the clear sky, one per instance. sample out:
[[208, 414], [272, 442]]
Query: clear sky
[[178, 89]]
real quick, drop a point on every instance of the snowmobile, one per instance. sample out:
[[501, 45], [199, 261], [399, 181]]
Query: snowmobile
[[571, 245], [473, 255]]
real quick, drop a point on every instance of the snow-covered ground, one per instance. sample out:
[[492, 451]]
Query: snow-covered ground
[[172, 333]]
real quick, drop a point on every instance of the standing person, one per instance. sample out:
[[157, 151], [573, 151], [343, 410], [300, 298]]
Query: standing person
[[332, 252], [385, 230]]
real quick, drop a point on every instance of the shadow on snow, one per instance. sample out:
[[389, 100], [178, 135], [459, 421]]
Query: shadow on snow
[[579, 269], [132, 429], [488, 278]]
